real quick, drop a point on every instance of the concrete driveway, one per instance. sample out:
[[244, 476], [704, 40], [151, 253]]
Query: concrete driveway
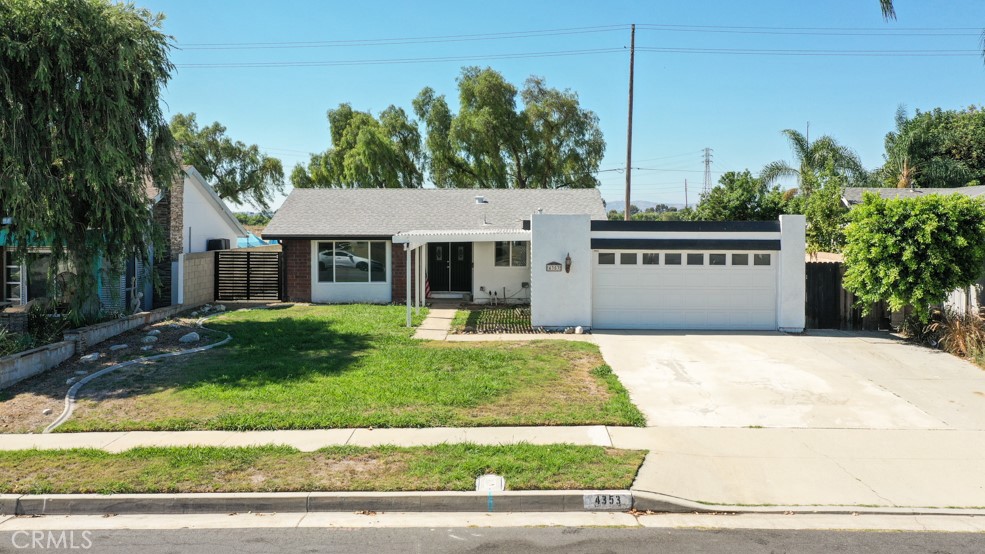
[[825, 379]]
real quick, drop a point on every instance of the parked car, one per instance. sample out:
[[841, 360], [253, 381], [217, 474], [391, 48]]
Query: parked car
[[342, 258]]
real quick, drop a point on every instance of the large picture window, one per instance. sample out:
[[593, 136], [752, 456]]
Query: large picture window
[[511, 253], [356, 261]]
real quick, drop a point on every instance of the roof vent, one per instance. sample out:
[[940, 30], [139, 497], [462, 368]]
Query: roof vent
[[481, 200], [540, 210]]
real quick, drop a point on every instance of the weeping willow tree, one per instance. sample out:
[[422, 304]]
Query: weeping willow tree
[[81, 129]]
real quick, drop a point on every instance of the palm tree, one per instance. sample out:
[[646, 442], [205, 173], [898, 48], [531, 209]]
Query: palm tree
[[812, 158], [902, 170]]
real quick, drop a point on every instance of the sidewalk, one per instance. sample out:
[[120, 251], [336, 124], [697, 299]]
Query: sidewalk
[[721, 468]]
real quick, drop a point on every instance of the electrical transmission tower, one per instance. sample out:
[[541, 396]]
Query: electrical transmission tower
[[708, 185]]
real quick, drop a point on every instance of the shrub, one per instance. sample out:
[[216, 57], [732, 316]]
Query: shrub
[[960, 334]]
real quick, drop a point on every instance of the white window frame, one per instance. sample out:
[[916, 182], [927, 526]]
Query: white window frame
[[509, 243]]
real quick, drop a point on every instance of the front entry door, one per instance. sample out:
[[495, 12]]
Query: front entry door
[[450, 266]]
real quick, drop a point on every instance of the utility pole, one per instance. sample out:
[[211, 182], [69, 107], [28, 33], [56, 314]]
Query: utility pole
[[629, 126], [708, 185], [685, 193]]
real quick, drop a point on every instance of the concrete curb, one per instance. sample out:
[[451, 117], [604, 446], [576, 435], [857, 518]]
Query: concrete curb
[[656, 502], [461, 502], [301, 502]]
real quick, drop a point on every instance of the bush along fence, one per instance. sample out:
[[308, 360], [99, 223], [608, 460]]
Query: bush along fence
[[17, 367]]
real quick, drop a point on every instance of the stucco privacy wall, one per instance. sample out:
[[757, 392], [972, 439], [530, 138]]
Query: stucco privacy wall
[[791, 304], [497, 278], [561, 299]]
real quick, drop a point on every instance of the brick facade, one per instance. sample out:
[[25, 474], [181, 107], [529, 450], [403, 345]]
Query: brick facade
[[398, 273], [169, 214], [297, 258]]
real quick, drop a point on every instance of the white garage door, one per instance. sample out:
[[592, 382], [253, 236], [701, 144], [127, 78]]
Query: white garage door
[[684, 290]]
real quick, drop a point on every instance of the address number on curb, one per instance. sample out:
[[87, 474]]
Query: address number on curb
[[608, 501]]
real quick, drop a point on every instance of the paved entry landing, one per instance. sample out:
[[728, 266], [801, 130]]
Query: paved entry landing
[[437, 324], [819, 380]]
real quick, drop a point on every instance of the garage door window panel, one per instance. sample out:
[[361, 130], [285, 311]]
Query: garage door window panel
[[695, 259], [716, 259], [607, 258], [672, 259], [650, 258], [740, 259], [627, 258], [761, 259]]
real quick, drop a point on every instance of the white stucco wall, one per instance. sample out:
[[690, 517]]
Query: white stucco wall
[[791, 301], [202, 220], [486, 274], [560, 299], [345, 293]]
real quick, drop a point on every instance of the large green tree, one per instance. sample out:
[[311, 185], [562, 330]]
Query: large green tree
[[913, 251], [366, 152], [238, 172], [740, 196], [546, 140], [936, 149], [81, 129], [813, 157]]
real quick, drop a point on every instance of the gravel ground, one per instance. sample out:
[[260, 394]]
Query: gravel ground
[[23, 406]]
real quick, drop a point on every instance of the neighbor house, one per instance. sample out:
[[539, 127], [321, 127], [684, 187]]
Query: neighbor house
[[551, 248], [194, 219]]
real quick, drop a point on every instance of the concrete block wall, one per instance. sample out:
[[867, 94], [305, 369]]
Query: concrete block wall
[[20, 366], [198, 278]]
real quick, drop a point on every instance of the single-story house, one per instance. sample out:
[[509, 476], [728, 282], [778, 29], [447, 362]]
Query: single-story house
[[194, 219], [962, 300], [551, 248]]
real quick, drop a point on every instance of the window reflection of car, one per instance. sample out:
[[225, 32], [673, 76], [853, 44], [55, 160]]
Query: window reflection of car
[[346, 259]]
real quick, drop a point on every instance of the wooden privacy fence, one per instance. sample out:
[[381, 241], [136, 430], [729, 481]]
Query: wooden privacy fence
[[830, 306], [248, 275]]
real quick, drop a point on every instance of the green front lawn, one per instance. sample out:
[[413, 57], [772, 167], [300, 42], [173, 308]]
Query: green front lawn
[[447, 467], [308, 367]]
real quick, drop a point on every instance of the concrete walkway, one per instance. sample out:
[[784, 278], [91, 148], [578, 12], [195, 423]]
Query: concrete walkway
[[728, 467], [437, 324]]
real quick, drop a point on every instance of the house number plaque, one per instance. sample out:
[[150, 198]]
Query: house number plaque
[[554, 266]]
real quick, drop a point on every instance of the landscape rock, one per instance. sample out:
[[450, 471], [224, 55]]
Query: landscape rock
[[71, 380], [569, 330], [116, 347], [89, 357], [154, 333], [149, 339], [47, 411], [146, 348], [190, 337], [82, 372], [174, 325]]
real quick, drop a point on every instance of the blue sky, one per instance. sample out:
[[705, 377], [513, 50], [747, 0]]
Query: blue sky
[[736, 104]]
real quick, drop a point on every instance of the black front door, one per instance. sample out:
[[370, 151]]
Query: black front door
[[450, 266]]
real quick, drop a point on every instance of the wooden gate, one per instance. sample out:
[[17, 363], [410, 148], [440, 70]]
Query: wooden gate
[[830, 306], [246, 275]]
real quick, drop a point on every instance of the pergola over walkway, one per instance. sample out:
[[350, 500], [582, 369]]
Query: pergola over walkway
[[415, 249]]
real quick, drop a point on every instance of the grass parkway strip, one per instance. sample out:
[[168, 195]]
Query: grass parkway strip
[[310, 367], [447, 467]]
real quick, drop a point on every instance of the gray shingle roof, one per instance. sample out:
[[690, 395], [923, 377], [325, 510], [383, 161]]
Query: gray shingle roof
[[382, 212], [853, 196]]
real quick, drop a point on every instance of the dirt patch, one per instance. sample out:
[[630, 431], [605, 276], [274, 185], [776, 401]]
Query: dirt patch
[[22, 406]]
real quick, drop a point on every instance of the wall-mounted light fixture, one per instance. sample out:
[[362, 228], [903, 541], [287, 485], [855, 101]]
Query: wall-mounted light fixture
[[567, 263]]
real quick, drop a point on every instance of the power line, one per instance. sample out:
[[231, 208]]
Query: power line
[[829, 53], [400, 40], [332, 63], [820, 31]]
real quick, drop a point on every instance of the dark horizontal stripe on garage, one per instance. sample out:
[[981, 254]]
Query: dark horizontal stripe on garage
[[688, 226], [685, 244]]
